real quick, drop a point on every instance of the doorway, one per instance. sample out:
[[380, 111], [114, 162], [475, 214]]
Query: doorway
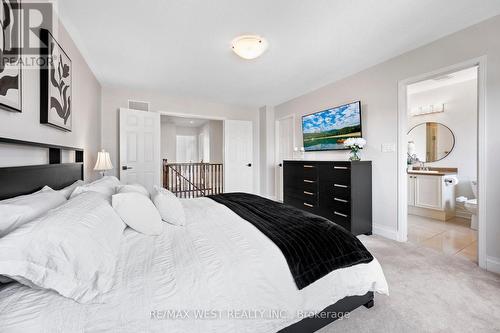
[[228, 144], [440, 178], [192, 156]]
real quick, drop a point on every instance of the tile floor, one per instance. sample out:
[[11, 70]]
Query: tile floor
[[453, 237]]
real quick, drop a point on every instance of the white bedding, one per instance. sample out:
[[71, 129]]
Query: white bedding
[[217, 262]]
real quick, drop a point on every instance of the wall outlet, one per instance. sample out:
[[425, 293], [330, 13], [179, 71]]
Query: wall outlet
[[388, 147]]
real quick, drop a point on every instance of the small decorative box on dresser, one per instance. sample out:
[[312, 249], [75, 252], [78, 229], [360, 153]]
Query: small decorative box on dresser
[[338, 191]]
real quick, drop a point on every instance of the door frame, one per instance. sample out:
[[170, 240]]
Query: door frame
[[194, 116], [480, 62], [276, 148], [189, 115]]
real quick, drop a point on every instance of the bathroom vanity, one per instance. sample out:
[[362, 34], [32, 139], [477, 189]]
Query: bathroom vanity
[[431, 192]]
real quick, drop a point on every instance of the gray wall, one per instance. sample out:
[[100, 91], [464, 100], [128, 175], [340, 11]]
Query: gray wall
[[114, 98], [377, 88], [86, 99], [216, 132]]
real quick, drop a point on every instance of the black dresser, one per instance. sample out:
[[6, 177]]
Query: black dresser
[[338, 191]]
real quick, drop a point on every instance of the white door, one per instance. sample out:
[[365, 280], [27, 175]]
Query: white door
[[238, 156], [140, 148], [428, 192], [284, 150]]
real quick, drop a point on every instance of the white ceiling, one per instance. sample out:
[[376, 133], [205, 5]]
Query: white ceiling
[[443, 80], [182, 47]]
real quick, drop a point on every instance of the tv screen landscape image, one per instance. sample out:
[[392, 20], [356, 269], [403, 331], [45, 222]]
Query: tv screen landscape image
[[328, 129]]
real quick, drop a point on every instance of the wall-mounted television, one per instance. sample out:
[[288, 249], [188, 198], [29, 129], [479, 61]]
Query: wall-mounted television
[[328, 129]]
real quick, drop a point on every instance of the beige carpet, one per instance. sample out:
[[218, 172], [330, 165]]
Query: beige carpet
[[429, 292]]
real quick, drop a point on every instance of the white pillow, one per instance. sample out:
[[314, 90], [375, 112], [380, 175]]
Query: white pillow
[[16, 211], [106, 185], [138, 212], [72, 250], [169, 206], [69, 189], [132, 188]]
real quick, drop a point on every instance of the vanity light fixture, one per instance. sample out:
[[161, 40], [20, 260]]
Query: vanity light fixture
[[249, 46], [421, 110]]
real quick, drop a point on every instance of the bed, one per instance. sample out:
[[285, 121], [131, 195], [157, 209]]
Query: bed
[[218, 273]]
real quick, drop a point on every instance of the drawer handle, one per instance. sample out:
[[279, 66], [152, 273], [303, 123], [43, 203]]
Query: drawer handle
[[308, 166], [308, 181], [308, 205], [340, 200], [340, 214], [308, 193], [342, 186], [340, 167]]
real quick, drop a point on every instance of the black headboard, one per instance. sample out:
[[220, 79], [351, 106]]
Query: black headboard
[[21, 180]]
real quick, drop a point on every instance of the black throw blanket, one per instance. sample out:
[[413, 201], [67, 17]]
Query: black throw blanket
[[312, 245]]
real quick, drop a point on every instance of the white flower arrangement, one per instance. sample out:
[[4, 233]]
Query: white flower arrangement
[[356, 143]]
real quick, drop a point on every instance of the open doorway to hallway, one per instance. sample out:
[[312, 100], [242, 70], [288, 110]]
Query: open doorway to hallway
[[442, 162], [192, 155]]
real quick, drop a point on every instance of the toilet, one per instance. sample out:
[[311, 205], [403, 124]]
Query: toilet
[[471, 206]]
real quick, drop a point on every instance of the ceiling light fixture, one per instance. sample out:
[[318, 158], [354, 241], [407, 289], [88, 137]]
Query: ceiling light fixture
[[249, 46]]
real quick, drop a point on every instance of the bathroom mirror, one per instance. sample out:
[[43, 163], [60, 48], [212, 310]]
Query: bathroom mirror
[[430, 142]]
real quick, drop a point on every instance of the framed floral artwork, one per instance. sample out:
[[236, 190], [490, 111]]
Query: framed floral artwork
[[10, 67], [55, 84]]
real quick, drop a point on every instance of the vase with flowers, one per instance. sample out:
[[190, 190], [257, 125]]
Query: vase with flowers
[[354, 144]]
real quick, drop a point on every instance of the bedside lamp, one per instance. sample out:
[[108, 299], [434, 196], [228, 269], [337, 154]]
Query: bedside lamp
[[103, 163]]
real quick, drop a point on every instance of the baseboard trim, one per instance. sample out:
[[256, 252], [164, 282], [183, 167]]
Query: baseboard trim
[[432, 213], [460, 211], [385, 232], [493, 264], [463, 215]]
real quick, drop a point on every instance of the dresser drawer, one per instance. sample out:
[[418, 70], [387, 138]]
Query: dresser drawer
[[340, 191], [292, 200], [309, 185], [338, 172], [294, 194], [341, 205], [343, 221], [293, 174], [310, 171], [307, 204], [310, 195]]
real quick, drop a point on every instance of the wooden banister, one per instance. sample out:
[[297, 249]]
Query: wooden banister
[[192, 180]]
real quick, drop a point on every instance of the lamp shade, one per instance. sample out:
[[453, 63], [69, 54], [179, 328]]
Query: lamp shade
[[103, 161]]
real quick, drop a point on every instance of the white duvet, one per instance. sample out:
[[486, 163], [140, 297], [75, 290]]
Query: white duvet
[[216, 274]]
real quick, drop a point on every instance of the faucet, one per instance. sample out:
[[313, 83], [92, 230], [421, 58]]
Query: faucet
[[423, 167]]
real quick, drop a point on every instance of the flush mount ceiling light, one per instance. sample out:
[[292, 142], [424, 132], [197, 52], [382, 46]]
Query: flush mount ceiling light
[[249, 46]]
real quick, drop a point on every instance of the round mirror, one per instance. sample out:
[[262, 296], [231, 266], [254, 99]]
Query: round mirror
[[430, 142]]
